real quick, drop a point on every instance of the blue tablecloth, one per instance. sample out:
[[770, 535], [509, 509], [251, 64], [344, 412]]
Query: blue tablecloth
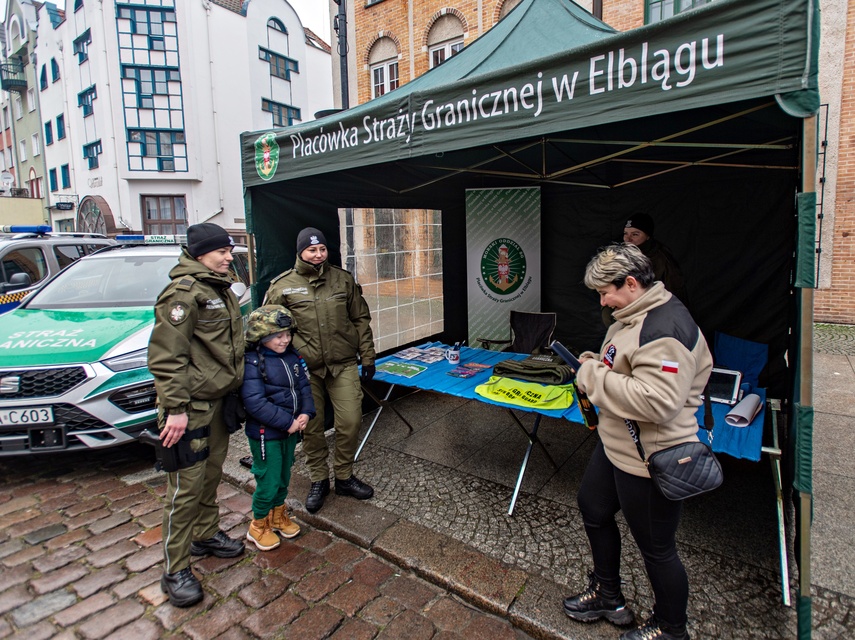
[[436, 378], [739, 442]]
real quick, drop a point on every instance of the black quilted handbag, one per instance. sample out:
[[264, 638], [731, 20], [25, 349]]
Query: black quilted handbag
[[684, 470]]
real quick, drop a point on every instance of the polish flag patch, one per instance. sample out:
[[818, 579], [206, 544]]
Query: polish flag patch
[[670, 366]]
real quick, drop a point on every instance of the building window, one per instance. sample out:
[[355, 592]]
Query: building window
[[37, 147], [146, 22], [85, 99], [43, 78], [52, 180], [661, 9], [158, 144], [283, 115], [18, 105], [91, 152], [445, 39], [48, 133], [151, 82], [383, 63], [60, 127], [276, 25], [78, 4], [65, 174], [22, 150], [280, 66], [164, 215], [31, 100], [54, 70], [81, 46]]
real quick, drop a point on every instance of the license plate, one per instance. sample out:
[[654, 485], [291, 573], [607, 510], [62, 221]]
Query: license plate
[[26, 417]]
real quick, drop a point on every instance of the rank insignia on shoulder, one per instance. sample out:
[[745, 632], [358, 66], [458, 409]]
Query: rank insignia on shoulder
[[178, 313]]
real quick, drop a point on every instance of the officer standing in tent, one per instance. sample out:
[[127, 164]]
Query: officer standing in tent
[[196, 357], [333, 328]]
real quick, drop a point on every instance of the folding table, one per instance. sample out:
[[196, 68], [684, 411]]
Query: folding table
[[436, 378]]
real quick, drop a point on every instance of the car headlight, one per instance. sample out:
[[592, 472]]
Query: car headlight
[[133, 360]]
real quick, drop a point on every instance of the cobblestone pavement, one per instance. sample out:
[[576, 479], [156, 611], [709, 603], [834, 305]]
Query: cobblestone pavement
[[81, 553], [434, 554]]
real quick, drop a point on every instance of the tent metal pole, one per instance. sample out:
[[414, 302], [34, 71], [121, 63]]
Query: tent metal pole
[[809, 132], [688, 145]]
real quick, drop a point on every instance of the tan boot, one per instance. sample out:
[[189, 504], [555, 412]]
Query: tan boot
[[262, 535], [279, 521]]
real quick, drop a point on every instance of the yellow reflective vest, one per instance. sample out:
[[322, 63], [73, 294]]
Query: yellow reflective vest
[[526, 394]]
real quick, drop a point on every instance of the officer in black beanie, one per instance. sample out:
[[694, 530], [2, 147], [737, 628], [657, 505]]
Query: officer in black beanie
[[196, 357], [333, 334]]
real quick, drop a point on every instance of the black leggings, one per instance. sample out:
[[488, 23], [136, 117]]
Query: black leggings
[[652, 520]]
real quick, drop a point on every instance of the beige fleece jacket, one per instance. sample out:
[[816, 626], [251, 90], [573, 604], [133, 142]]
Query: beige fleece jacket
[[652, 368]]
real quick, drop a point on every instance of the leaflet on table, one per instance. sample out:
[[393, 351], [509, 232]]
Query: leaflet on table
[[429, 355], [468, 370], [404, 369]]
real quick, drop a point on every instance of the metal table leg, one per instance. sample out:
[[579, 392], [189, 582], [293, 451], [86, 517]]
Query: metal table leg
[[775, 458], [532, 440], [382, 404]]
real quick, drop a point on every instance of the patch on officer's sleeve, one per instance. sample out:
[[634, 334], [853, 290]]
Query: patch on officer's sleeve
[[178, 313]]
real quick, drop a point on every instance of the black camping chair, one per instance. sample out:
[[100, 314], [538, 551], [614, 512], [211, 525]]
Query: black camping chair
[[531, 332]]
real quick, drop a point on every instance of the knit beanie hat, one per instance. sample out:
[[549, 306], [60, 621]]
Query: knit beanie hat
[[642, 222], [308, 237], [205, 237]]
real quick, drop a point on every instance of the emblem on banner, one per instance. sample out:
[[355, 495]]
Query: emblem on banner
[[503, 266], [266, 156]]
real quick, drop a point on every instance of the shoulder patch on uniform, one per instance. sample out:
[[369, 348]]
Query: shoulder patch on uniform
[[177, 313], [186, 283]]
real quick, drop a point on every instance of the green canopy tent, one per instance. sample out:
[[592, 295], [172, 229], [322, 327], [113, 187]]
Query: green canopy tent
[[706, 121]]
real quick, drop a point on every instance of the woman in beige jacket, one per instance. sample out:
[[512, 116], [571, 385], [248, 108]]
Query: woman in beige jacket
[[652, 369]]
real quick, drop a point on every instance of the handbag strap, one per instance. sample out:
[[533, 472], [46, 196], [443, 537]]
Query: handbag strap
[[709, 422]]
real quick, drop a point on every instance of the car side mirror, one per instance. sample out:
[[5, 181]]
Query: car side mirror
[[238, 288], [19, 281]]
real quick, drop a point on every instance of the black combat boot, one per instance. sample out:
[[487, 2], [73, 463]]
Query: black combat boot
[[592, 604], [182, 587], [219, 545], [353, 486], [317, 492], [653, 629]]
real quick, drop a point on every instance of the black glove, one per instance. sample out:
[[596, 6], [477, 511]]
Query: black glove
[[368, 371]]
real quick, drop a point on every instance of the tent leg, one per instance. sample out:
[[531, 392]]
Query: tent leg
[[775, 458]]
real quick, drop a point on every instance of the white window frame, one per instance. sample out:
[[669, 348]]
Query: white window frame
[[444, 50], [19, 106], [385, 84], [22, 150], [31, 100], [37, 147]]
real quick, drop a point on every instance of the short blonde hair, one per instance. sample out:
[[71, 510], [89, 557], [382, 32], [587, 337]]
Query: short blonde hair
[[615, 263]]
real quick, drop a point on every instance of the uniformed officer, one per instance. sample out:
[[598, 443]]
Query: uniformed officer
[[196, 357], [333, 328]]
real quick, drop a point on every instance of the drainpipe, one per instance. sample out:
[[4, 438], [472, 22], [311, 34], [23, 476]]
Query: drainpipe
[[340, 26], [207, 5]]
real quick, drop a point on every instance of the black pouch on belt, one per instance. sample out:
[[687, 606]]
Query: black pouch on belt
[[180, 455], [234, 413]]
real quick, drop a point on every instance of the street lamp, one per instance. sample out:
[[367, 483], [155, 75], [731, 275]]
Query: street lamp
[[340, 27]]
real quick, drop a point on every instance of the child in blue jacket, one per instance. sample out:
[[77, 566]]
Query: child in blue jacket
[[278, 400]]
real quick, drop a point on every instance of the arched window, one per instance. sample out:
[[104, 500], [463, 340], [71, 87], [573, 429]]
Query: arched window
[[445, 39], [383, 64], [507, 6], [275, 23], [43, 78], [277, 36]]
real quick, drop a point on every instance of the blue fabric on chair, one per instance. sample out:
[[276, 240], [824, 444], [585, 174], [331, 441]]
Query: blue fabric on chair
[[741, 355]]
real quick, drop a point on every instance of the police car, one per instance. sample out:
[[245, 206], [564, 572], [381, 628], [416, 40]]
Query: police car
[[73, 371]]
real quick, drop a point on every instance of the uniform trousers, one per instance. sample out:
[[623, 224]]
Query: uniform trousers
[[653, 522], [191, 512], [345, 394], [272, 474]]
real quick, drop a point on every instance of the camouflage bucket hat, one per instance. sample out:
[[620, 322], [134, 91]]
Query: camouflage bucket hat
[[267, 320]]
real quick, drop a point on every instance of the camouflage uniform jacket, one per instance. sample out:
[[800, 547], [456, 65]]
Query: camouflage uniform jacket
[[196, 347], [332, 317]]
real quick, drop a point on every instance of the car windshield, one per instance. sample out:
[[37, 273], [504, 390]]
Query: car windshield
[[110, 281]]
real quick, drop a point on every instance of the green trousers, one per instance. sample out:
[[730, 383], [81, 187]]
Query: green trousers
[[345, 394], [273, 474], [191, 511]]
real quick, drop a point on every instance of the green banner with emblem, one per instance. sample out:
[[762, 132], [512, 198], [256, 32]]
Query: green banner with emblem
[[503, 258]]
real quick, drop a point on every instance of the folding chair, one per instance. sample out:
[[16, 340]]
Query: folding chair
[[531, 332]]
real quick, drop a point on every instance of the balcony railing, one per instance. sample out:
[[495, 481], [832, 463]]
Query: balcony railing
[[12, 77]]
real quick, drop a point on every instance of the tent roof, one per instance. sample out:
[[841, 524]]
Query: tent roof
[[581, 74]]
